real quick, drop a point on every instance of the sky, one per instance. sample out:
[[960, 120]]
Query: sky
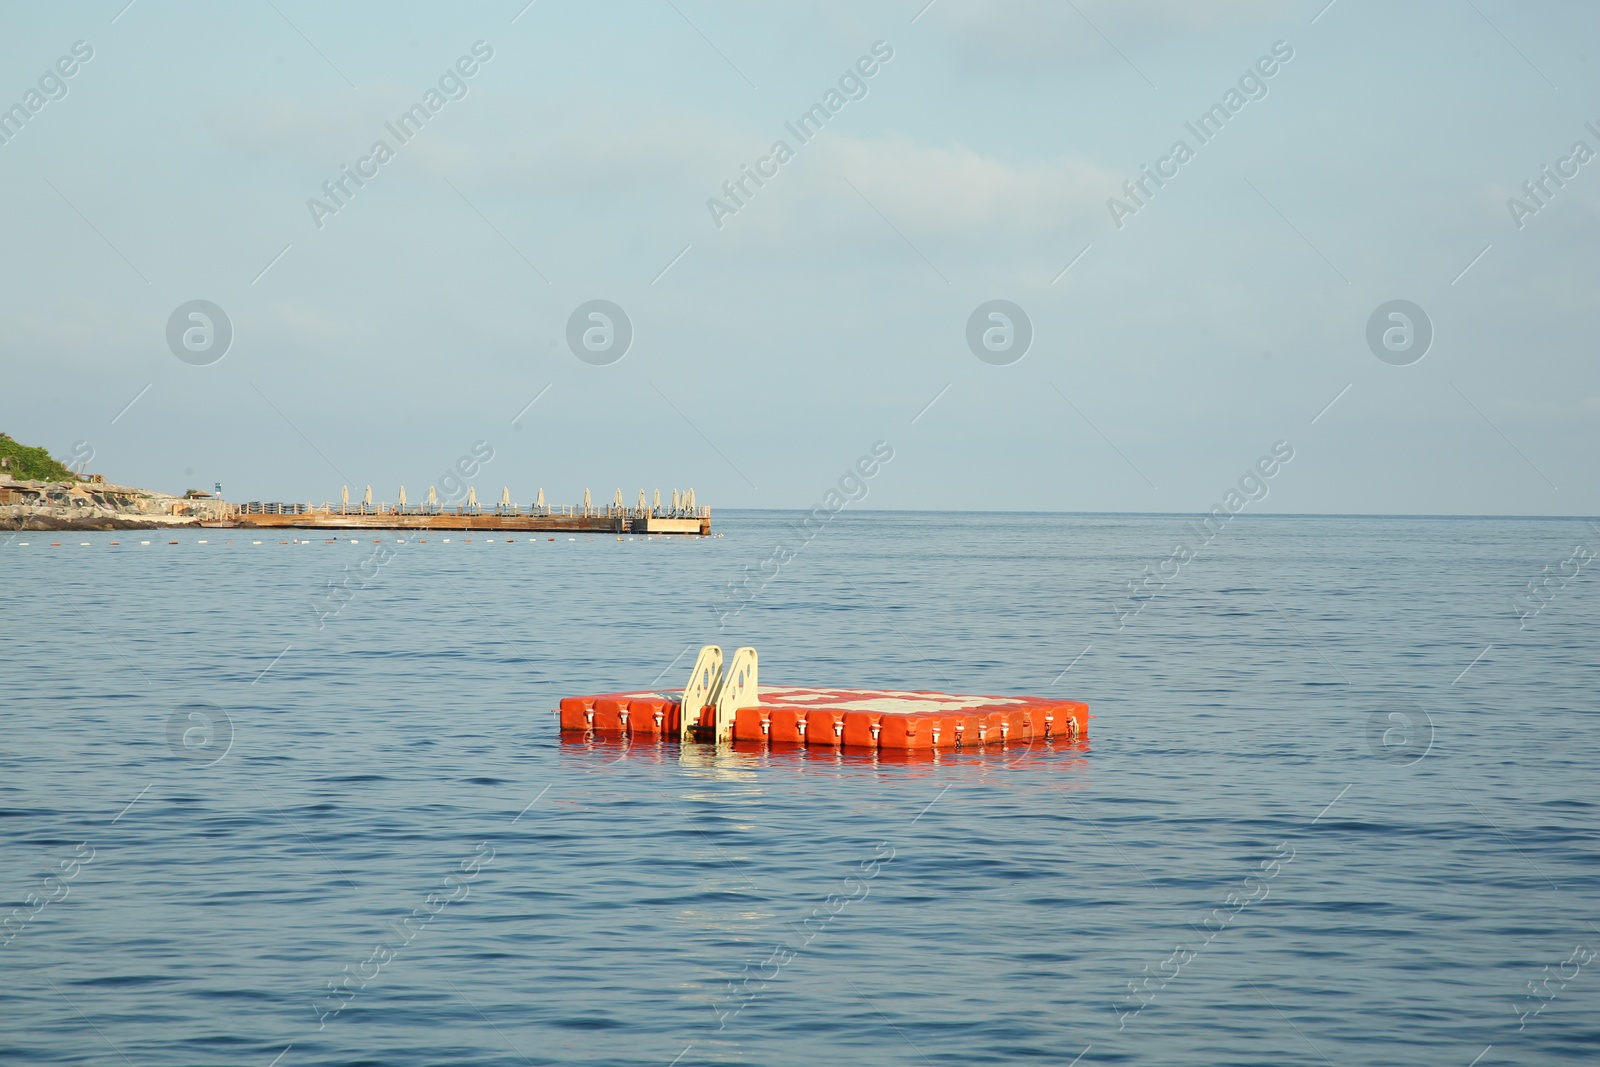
[[1176, 335]]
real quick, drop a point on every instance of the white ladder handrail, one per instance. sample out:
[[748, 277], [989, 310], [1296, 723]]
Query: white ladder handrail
[[705, 682], [740, 689]]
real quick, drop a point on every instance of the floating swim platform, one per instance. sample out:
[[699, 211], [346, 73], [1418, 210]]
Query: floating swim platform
[[730, 706]]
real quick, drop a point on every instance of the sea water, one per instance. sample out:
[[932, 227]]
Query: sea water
[[1336, 804]]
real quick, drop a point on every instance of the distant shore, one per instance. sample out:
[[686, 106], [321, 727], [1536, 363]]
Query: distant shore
[[48, 523], [48, 506], [95, 504]]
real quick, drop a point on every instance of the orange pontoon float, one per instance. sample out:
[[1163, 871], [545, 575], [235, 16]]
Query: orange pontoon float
[[731, 706]]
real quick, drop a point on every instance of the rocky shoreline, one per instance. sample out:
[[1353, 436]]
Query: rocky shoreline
[[98, 505], [49, 523]]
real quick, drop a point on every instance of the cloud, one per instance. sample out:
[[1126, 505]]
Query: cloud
[[323, 130], [949, 191], [579, 147], [1008, 34], [578, 144], [573, 143]]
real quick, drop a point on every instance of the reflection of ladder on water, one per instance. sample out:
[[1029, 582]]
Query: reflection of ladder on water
[[712, 695]]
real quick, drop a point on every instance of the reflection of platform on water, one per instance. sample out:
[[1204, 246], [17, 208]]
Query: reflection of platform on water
[[597, 750]]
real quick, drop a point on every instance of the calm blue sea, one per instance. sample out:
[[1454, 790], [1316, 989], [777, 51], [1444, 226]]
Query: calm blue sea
[[1337, 804]]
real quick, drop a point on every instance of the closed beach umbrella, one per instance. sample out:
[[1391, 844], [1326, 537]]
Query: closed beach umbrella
[[641, 500], [505, 496], [367, 500], [472, 496], [433, 496], [344, 495], [690, 502], [658, 500], [540, 500], [617, 503], [402, 496], [586, 500]]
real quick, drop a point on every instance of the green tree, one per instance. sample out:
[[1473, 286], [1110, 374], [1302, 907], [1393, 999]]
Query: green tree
[[32, 464]]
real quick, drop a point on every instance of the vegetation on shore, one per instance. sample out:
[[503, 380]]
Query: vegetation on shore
[[32, 464]]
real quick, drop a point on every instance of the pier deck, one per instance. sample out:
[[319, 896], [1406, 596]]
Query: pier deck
[[449, 520]]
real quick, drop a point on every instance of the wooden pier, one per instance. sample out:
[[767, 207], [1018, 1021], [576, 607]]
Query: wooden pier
[[613, 520], [575, 521], [678, 514]]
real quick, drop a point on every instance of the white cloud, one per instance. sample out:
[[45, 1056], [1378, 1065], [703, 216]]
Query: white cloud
[[325, 129], [924, 190], [1007, 34], [580, 147], [573, 143]]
